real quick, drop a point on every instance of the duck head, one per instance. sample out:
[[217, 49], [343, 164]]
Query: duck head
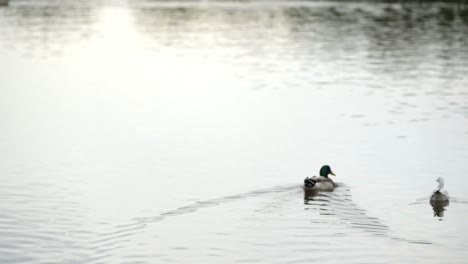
[[325, 171], [440, 185]]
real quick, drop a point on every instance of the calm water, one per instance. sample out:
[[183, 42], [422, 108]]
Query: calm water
[[149, 132]]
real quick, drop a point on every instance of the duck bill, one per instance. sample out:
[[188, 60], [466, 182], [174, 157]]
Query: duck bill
[[333, 173]]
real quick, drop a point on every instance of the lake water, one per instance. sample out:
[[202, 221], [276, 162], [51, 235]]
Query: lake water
[[163, 131]]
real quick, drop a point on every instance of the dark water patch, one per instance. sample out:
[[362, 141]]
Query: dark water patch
[[17, 259], [370, 124], [394, 112], [222, 234], [248, 261], [418, 120], [135, 262], [46, 28], [409, 95], [180, 248]]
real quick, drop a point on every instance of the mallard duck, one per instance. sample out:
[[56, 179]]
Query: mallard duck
[[439, 198], [322, 182]]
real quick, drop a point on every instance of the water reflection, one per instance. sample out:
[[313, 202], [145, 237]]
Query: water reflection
[[130, 98], [309, 195], [46, 28], [339, 203], [394, 39]]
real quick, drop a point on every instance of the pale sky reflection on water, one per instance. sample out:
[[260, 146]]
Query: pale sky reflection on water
[[128, 126]]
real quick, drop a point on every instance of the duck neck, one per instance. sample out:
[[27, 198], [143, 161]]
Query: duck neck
[[440, 186]]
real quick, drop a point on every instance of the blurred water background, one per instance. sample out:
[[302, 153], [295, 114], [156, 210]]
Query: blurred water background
[[147, 131]]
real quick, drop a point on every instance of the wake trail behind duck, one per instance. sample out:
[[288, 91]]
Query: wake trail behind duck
[[338, 203]]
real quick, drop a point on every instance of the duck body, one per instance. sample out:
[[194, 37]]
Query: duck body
[[440, 194], [439, 200], [320, 183]]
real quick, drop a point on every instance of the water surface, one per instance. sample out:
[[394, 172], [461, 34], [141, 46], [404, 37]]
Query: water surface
[[165, 131]]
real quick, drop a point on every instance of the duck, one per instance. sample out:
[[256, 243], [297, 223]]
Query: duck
[[439, 198], [439, 194], [322, 182]]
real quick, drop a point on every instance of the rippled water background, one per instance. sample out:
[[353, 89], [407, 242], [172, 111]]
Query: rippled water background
[[163, 131]]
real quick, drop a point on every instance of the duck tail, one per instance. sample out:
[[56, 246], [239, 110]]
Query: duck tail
[[309, 183]]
